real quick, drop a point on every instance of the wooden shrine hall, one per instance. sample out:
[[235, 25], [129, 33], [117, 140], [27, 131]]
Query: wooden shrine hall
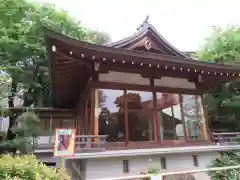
[[134, 90]]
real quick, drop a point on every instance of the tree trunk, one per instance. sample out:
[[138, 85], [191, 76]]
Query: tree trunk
[[10, 134], [26, 101]]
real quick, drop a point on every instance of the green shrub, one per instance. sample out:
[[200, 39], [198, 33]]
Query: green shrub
[[225, 159], [27, 167]]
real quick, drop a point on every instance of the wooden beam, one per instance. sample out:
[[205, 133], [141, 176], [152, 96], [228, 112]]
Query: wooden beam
[[100, 51], [205, 110], [67, 68], [174, 125], [96, 113], [153, 59], [135, 87], [51, 57], [73, 58], [146, 71], [183, 117], [64, 61], [86, 92], [203, 121], [86, 114], [158, 120], [141, 43], [126, 125]]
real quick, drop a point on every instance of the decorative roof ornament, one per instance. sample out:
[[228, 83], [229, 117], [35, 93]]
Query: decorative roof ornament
[[143, 23], [148, 44]]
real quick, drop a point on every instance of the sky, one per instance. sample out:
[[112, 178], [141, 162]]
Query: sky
[[184, 23]]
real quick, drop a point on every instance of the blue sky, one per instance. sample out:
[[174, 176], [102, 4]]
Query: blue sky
[[185, 23]]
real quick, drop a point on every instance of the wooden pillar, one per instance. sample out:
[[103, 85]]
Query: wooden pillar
[[91, 113], [158, 122], [183, 117], [209, 134], [86, 116], [174, 125], [80, 119], [93, 119], [156, 117], [126, 118], [51, 131], [96, 112], [75, 122], [203, 124], [150, 130]]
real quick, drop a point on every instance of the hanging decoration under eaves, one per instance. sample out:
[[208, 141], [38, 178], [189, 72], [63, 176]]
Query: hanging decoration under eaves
[[166, 67]]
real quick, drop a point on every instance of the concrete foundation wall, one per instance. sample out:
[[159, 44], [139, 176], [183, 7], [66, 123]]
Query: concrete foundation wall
[[113, 167]]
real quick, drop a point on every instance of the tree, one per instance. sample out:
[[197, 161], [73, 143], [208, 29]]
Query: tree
[[27, 126], [22, 49], [133, 101], [101, 98], [223, 102], [223, 46], [223, 160], [137, 116], [191, 114]]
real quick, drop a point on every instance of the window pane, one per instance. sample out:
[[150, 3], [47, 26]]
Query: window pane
[[140, 116], [172, 127], [191, 114], [140, 100], [166, 100], [111, 117]]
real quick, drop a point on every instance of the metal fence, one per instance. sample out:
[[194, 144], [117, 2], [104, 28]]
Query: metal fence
[[172, 175], [230, 138]]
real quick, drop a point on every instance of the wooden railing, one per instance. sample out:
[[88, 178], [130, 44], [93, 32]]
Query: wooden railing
[[91, 141], [83, 142], [97, 143], [229, 138]]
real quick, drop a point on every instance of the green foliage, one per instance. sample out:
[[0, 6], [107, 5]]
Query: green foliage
[[223, 102], [28, 168], [154, 170], [27, 126], [224, 160], [223, 46], [22, 51]]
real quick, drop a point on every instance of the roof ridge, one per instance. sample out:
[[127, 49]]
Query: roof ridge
[[141, 30], [144, 23]]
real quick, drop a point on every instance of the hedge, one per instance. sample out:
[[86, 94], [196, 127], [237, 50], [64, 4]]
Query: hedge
[[27, 167]]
